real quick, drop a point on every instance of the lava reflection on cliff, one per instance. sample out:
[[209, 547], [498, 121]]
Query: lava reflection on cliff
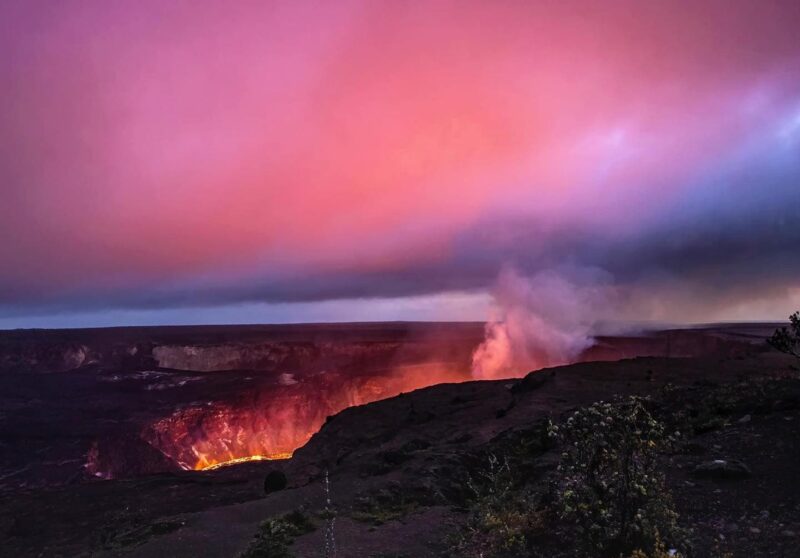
[[272, 422]]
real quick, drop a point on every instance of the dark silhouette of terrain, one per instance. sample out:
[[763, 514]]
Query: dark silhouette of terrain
[[399, 467]]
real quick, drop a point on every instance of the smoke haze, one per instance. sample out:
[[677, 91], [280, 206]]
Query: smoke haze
[[544, 320]]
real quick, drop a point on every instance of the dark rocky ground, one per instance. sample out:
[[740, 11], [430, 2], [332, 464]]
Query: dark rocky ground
[[399, 468]]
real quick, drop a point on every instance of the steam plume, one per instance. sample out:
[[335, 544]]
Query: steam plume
[[544, 320]]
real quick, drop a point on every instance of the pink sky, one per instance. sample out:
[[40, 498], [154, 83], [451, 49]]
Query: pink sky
[[209, 153]]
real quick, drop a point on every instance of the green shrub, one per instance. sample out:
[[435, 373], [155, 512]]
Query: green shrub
[[275, 536], [787, 340], [502, 517], [609, 488], [659, 551]]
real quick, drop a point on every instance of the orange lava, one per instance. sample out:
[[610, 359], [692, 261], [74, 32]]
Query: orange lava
[[272, 422], [208, 465]]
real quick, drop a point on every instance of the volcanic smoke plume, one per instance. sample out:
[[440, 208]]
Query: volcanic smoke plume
[[544, 320]]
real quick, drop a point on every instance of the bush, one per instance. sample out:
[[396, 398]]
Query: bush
[[275, 536], [787, 340], [503, 516], [660, 551], [609, 488], [394, 501]]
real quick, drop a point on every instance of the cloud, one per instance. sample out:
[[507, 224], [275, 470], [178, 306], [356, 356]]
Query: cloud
[[199, 155]]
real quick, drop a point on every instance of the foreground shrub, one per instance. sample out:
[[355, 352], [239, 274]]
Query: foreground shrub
[[659, 551], [503, 515], [609, 488], [394, 501], [787, 340], [275, 536]]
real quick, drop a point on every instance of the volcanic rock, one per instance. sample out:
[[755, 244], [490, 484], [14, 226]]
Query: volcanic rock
[[274, 481], [722, 469]]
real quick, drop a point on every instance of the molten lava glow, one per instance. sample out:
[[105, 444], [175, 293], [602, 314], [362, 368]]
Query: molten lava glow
[[205, 464], [273, 422]]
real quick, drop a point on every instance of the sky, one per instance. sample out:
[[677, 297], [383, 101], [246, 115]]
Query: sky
[[239, 162]]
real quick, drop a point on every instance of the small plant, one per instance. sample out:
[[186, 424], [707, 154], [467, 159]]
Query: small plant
[[787, 340], [275, 536], [659, 551], [502, 516], [330, 520], [609, 487], [387, 504]]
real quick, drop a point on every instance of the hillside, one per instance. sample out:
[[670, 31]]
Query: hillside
[[399, 469]]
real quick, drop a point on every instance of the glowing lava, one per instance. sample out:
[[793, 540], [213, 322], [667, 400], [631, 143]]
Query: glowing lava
[[272, 422], [204, 463]]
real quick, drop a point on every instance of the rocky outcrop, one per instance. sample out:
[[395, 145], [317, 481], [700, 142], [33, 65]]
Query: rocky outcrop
[[31, 355], [44, 352], [274, 481], [125, 456], [57, 357], [722, 469], [270, 355], [213, 358]]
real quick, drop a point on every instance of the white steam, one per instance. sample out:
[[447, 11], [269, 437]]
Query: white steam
[[544, 320]]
